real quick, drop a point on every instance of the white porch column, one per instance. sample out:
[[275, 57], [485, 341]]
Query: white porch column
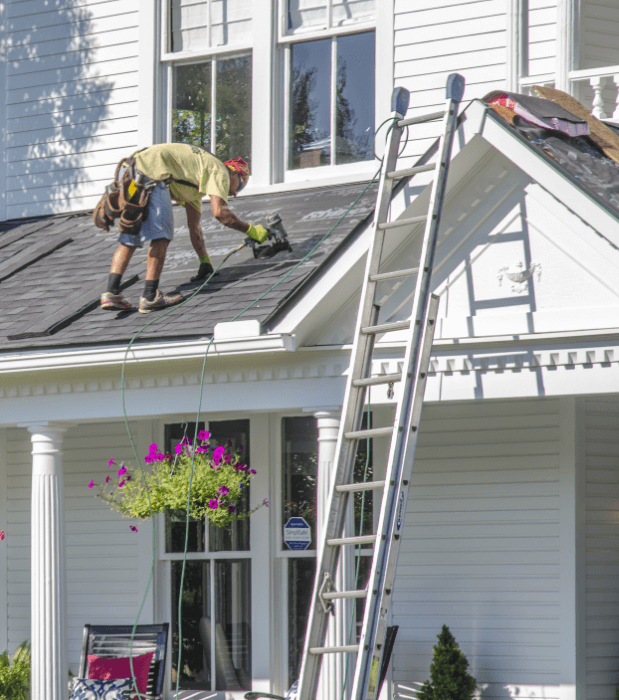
[[333, 665], [567, 43], [48, 587]]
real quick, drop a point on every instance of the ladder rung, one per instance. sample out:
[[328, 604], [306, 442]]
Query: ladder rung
[[420, 120], [407, 172], [380, 379], [402, 222], [369, 433], [343, 541], [365, 486], [334, 650], [386, 327], [340, 595], [393, 275]]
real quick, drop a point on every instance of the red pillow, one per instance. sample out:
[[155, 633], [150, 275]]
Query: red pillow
[[104, 669]]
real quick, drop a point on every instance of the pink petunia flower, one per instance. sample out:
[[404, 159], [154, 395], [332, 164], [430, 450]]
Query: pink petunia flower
[[2, 535], [204, 435], [253, 471], [91, 484], [229, 443], [169, 458], [160, 456], [109, 464], [121, 484], [266, 502], [179, 448], [133, 528], [231, 508], [153, 448], [223, 490], [122, 470], [107, 479], [148, 459], [213, 503]]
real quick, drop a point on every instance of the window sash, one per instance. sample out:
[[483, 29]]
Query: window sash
[[326, 28]]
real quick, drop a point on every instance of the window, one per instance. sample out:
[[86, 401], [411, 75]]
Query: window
[[332, 101], [216, 601], [307, 15], [207, 45]]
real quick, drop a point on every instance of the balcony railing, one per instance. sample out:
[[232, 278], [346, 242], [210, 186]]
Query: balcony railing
[[598, 79]]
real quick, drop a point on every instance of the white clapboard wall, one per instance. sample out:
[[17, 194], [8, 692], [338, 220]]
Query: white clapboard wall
[[71, 113], [434, 38], [602, 546], [480, 551], [541, 37], [103, 583], [600, 28]]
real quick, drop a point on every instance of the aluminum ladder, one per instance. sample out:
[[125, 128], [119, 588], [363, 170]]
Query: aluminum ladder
[[403, 432]]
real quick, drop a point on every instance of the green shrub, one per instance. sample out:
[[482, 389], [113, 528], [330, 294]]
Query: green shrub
[[15, 673], [448, 677]]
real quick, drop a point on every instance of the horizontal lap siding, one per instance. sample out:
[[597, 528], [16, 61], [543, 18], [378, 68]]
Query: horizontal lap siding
[[434, 38], [480, 552], [102, 552], [600, 29], [72, 77], [542, 32], [602, 547]]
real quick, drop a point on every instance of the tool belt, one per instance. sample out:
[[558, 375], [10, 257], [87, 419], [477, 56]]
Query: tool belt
[[127, 198]]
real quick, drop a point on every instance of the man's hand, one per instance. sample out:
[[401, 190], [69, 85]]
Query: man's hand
[[204, 271], [258, 233]]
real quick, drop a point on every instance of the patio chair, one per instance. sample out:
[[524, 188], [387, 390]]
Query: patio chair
[[113, 641], [292, 692]]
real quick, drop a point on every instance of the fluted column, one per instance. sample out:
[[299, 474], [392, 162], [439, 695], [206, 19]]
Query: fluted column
[[333, 672], [48, 587]]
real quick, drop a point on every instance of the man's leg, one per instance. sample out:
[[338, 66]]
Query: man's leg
[[113, 299], [154, 267]]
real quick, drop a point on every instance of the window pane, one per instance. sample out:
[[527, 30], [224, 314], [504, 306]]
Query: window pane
[[305, 14], [234, 538], [300, 458], [233, 625], [189, 19], [175, 524], [191, 105], [231, 22], [195, 625], [310, 104], [233, 139], [355, 98], [300, 584], [364, 471], [348, 11]]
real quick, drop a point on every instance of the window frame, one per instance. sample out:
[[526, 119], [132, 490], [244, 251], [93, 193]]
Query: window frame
[[317, 32]]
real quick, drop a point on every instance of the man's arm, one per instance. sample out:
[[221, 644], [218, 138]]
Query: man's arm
[[225, 216], [195, 230]]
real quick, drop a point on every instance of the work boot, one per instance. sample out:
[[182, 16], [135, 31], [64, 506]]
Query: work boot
[[161, 301], [114, 301]]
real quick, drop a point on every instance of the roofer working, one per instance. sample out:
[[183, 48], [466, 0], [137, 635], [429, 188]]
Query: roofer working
[[186, 174]]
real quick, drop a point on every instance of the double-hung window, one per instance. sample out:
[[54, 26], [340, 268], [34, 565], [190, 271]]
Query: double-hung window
[[330, 81], [207, 50]]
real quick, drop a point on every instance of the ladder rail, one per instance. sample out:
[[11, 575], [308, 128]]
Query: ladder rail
[[403, 445], [354, 402]]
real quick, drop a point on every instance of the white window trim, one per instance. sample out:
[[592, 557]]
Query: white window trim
[[327, 29], [323, 33], [195, 56]]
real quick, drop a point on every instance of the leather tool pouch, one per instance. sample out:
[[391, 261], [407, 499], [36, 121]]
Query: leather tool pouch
[[124, 199]]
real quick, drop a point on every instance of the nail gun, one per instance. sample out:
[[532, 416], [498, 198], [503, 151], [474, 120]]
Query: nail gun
[[276, 242]]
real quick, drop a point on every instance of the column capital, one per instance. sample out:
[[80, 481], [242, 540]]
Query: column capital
[[45, 427], [324, 411]]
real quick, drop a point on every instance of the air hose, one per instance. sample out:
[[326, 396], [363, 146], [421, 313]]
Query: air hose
[[137, 458]]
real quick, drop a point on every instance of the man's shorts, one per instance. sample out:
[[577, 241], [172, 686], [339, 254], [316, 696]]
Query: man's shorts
[[159, 222]]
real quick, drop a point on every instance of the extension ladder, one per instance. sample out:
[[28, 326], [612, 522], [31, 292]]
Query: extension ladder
[[403, 432]]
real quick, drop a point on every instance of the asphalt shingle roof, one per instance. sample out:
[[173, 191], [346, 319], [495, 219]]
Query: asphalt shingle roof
[[53, 270]]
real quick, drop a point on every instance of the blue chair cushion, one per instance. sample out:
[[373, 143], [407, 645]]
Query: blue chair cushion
[[90, 689]]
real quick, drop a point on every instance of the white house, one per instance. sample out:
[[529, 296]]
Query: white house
[[511, 530]]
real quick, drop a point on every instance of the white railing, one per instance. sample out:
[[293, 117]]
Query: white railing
[[598, 78], [527, 83]]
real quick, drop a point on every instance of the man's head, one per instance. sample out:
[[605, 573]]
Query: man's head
[[239, 174]]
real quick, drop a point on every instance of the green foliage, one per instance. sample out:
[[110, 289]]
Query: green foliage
[[449, 679], [15, 674], [216, 487]]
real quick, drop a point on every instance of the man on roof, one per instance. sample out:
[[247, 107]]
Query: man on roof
[[190, 173]]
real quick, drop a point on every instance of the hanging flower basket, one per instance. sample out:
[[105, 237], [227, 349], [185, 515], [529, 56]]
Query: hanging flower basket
[[219, 479]]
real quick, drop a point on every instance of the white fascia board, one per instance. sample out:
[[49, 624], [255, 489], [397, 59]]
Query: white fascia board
[[33, 361]]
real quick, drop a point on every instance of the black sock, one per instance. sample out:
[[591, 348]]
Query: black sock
[[150, 289], [113, 283]]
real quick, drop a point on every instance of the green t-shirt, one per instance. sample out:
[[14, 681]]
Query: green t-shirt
[[180, 161]]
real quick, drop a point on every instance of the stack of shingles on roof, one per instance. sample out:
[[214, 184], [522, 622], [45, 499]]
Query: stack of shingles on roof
[[56, 269], [577, 143]]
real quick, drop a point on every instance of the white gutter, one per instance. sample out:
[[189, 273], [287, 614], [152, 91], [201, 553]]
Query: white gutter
[[32, 361]]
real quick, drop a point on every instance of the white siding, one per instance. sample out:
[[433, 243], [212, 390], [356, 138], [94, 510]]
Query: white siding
[[602, 547], [600, 29], [102, 552], [542, 31], [481, 547], [434, 38], [71, 114]]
